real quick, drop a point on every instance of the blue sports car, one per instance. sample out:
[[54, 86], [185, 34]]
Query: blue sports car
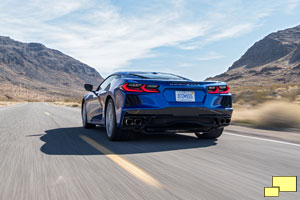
[[153, 102]]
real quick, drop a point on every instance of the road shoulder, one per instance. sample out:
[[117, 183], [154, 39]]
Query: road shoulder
[[286, 136]]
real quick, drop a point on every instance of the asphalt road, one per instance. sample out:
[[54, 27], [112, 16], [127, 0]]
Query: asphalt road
[[45, 154]]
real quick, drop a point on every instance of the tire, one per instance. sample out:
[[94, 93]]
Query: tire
[[85, 124], [112, 131], [211, 134]]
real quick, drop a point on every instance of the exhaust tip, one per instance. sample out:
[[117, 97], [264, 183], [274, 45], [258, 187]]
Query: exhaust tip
[[129, 122], [138, 122]]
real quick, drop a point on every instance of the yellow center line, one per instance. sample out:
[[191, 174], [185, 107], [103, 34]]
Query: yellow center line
[[46, 113], [125, 164]]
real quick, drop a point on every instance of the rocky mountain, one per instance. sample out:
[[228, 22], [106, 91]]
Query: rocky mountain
[[34, 68], [274, 59]]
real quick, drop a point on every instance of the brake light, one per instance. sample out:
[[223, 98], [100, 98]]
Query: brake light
[[212, 89], [150, 88], [134, 87], [223, 89], [131, 87]]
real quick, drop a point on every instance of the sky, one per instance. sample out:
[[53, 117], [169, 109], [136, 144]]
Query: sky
[[192, 38]]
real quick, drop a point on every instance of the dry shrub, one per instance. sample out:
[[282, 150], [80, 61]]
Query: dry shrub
[[275, 114], [72, 100], [70, 104], [278, 115], [256, 94], [7, 103], [259, 97]]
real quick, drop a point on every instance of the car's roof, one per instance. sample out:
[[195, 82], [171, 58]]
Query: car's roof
[[139, 72]]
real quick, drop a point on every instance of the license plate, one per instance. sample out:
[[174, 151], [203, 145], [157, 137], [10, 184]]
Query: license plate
[[185, 96]]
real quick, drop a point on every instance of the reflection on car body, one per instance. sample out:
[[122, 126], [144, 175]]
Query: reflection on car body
[[151, 102]]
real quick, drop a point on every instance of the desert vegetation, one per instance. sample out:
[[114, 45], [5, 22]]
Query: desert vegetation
[[275, 106], [270, 115], [257, 94], [69, 102], [10, 94], [19, 93]]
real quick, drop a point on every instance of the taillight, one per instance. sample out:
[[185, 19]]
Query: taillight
[[135, 87], [132, 87], [223, 89], [150, 88], [212, 89]]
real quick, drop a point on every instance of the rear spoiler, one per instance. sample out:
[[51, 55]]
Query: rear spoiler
[[190, 82]]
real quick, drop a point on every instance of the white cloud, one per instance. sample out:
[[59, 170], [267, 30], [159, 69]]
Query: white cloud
[[108, 41], [191, 45], [231, 32], [232, 19], [101, 35], [185, 65], [291, 5], [224, 33], [210, 57]]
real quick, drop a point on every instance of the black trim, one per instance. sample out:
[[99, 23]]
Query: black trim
[[182, 111], [132, 100], [169, 123], [226, 101]]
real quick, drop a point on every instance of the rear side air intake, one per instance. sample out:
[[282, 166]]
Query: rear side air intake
[[132, 100], [226, 101]]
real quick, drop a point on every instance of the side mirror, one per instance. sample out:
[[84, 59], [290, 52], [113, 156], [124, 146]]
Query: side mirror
[[88, 87]]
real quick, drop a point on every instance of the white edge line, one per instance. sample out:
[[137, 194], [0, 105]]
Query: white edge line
[[263, 139], [4, 108], [12, 106]]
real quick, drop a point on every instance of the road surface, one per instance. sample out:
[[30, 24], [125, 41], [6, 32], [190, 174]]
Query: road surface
[[46, 154]]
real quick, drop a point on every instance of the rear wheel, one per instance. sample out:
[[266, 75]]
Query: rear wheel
[[85, 123], [211, 134], [112, 131]]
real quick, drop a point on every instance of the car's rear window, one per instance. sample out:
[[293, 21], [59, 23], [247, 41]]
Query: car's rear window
[[157, 76]]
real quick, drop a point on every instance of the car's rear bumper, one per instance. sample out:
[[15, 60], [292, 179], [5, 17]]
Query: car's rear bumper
[[178, 119]]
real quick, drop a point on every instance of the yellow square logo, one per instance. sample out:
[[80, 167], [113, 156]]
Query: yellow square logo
[[285, 183], [271, 191]]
